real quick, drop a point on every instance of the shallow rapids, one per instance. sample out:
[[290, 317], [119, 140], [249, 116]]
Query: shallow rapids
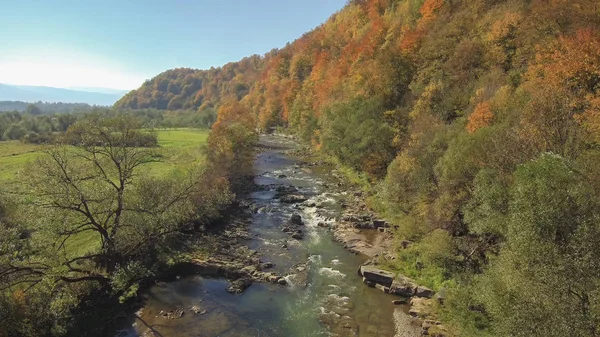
[[324, 295]]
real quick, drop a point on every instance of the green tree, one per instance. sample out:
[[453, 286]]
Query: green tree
[[546, 280], [486, 211], [356, 133], [15, 132], [33, 110]]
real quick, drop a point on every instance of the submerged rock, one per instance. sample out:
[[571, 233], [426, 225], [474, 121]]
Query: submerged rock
[[196, 309], [369, 283], [292, 198], [173, 314], [298, 235]]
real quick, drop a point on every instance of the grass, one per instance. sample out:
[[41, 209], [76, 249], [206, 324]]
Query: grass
[[14, 155], [178, 149]]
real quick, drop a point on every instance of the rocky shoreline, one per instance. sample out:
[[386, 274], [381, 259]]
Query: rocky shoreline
[[231, 259], [362, 231]]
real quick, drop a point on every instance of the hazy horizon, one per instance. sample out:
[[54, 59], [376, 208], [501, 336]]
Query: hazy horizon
[[115, 45]]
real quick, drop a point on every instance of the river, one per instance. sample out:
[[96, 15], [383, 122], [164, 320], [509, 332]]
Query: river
[[324, 295]]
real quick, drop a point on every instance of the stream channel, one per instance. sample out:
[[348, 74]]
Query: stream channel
[[324, 295]]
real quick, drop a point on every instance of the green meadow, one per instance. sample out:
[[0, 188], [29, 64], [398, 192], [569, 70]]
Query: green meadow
[[178, 150]]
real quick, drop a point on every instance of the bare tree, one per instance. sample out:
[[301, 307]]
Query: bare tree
[[94, 205]]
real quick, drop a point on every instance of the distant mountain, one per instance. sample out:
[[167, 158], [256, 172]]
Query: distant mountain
[[49, 94], [100, 90]]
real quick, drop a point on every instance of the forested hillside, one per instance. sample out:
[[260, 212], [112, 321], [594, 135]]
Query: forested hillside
[[189, 88], [475, 126]]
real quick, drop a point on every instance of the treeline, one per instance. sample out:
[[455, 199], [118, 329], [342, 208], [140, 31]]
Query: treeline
[[43, 129], [474, 125], [40, 107], [77, 228]]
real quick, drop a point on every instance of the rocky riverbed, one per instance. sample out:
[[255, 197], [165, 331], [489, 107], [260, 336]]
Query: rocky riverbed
[[285, 264]]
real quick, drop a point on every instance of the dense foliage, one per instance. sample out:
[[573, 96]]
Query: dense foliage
[[482, 123]]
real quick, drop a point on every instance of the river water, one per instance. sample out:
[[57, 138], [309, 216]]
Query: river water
[[324, 296]]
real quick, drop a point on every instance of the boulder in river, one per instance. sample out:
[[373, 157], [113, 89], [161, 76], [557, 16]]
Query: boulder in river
[[238, 286], [373, 274], [296, 219], [267, 265], [285, 189], [292, 198]]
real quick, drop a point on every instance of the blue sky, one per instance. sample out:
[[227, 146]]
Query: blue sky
[[119, 44]]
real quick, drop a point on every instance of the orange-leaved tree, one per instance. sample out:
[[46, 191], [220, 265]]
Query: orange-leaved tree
[[482, 116], [231, 142]]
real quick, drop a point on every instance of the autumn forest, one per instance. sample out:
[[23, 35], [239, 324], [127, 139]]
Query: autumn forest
[[472, 126]]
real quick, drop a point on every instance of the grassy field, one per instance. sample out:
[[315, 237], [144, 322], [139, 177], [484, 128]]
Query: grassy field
[[178, 149]]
